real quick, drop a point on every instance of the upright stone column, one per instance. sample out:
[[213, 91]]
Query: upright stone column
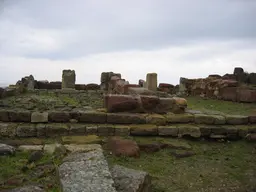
[[151, 82], [68, 79]]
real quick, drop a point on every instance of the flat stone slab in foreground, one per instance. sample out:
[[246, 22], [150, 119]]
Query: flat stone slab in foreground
[[86, 172]]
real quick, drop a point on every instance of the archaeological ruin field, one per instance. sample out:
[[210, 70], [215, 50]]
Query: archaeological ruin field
[[114, 136]]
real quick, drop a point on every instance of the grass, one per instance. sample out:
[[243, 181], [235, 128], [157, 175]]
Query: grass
[[196, 103], [216, 166], [11, 169]]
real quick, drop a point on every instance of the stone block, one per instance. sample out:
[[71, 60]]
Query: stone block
[[19, 116], [218, 130], [144, 130], [86, 171], [149, 103], [41, 130], [179, 118], [151, 81], [252, 78], [242, 130], [26, 130], [77, 129], [122, 103], [93, 117], [91, 129], [39, 117], [57, 129], [237, 119], [130, 180], [106, 130], [156, 119], [8, 129], [229, 93], [59, 116], [68, 79], [205, 130], [204, 119], [92, 86], [251, 137], [252, 128], [140, 91], [4, 115], [219, 119], [246, 95], [125, 118], [169, 130], [122, 130], [231, 131], [165, 105], [252, 119], [189, 130]]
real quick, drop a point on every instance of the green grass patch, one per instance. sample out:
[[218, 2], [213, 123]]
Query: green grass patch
[[228, 107], [214, 166]]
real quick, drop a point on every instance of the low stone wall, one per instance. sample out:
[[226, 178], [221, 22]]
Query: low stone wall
[[25, 130]]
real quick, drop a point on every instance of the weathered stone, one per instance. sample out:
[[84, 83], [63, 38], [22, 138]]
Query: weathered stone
[[91, 129], [26, 130], [30, 147], [93, 117], [86, 139], [56, 129], [140, 91], [251, 137], [85, 172], [92, 86], [252, 128], [52, 148], [246, 95], [81, 148], [179, 118], [165, 105], [231, 131], [144, 130], [122, 130], [252, 78], [218, 130], [106, 130], [6, 149], [130, 180], [123, 147], [218, 137], [169, 130], [252, 119], [149, 103], [156, 119], [122, 103], [182, 153], [76, 129], [125, 118], [59, 116], [39, 117], [19, 116], [180, 105], [204, 119], [189, 130], [242, 130], [205, 129], [29, 188], [219, 119], [151, 81], [236, 119], [41, 130], [238, 70], [8, 129], [68, 79], [229, 93]]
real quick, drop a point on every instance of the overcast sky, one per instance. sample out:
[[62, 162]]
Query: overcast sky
[[174, 38]]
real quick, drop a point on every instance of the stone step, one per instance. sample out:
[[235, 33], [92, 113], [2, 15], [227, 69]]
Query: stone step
[[29, 130]]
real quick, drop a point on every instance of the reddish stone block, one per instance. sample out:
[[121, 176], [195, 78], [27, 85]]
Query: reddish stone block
[[246, 95], [149, 103], [122, 103], [229, 93]]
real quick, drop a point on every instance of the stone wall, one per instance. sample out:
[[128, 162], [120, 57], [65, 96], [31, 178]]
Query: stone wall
[[230, 87], [46, 124]]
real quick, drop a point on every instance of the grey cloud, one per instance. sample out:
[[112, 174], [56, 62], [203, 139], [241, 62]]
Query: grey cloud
[[114, 25]]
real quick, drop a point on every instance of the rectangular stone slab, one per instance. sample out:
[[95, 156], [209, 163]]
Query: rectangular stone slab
[[85, 172]]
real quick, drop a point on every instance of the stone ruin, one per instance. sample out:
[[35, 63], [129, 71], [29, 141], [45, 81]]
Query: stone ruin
[[236, 87], [68, 79]]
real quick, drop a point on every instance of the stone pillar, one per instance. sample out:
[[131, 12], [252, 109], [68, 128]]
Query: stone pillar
[[182, 86], [68, 79], [151, 81]]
